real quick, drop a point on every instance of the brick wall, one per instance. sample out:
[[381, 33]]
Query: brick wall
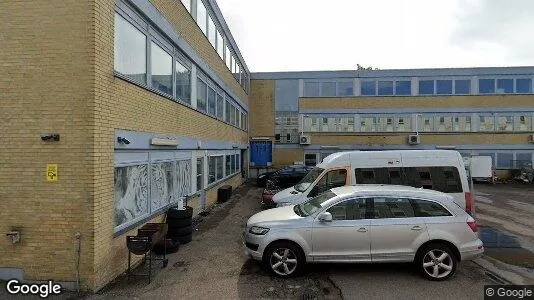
[[285, 157], [262, 94]]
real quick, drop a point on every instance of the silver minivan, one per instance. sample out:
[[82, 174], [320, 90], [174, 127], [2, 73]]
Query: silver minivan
[[366, 223]]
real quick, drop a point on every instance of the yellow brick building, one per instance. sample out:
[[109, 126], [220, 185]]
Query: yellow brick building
[[477, 111], [149, 100]]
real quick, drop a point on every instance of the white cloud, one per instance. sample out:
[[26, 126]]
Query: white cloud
[[290, 35]]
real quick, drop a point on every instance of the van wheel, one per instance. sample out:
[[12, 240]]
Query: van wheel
[[284, 259], [436, 262]]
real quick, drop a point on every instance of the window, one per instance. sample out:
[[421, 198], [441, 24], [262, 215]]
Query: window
[[220, 45], [228, 56], [130, 50], [368, 124], [228, 165], [215, 166], [220, 106], [201, 16], [236, 118], [444, 87], [505, 86], [187, 4], [426, 87], [219, 160], [486, 86], [330, 180], [232, 65], [403, 87], [212, 101], [349, 210], [462, 123], [232, 163], [237, 71], [385, 88], [524, 86], [238, 162], [392, 208], [368, 88], [131, 186], [211, 169], [505, 123], [212, 34], [522, 123], [232, 115], [161, 70], [200, 172], [277, 137], [201, 94], [228, 110], [183, 83], [328, 89], [505, 160], [462, 87], [487, 123], [310, 159], [345, 88], [311, 89], [424, 208], [444, 124]]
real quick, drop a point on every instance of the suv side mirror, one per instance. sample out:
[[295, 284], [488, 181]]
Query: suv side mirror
[[325, 217]]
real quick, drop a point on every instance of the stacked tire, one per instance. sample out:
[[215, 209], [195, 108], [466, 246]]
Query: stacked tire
[[180, 224]]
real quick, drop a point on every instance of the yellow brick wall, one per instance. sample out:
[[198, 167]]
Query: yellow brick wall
[[45, 88], [262, 94], [285, 157], [419, 102], [187, 28]]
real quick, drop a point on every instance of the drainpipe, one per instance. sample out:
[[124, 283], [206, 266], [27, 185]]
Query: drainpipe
[[78, 236]]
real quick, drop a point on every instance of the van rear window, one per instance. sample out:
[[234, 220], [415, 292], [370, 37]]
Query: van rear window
[[443, 179]]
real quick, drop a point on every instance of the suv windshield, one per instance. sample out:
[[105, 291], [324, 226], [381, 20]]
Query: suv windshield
[[307, 208], [308, 179]]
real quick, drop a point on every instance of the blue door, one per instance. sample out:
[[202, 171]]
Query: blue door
[[261, 153]]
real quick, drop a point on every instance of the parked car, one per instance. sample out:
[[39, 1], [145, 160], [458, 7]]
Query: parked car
[[366, 223], [271, 188], [441, 170], [292, 175], [281, 180]]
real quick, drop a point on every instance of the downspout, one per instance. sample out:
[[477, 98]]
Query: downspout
[[78, 236]]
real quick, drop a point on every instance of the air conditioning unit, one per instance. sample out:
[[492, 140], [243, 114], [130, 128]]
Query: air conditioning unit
[[305, 139], [414, 139], [531, 138]]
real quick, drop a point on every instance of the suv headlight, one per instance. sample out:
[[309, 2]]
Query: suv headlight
[[258, 230]]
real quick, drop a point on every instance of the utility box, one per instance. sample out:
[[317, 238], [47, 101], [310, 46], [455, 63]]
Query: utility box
[[481, 168]]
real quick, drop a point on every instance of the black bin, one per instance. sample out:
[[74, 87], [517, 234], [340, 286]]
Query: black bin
[[224, 193]]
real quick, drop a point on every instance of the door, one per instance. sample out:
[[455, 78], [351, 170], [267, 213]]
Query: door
[[396, 232], [261, 153], [346, 238]]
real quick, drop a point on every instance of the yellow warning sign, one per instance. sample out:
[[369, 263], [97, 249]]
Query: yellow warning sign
[[51, 173]]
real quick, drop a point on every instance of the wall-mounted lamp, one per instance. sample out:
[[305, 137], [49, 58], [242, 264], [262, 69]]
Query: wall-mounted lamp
[[50, 137], [15, 236], [122, 140], [164, 142]]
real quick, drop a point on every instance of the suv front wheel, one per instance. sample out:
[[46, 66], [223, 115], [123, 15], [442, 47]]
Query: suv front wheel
[[284, 259], [436, 262]]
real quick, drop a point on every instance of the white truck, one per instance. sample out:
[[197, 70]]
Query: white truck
[[480, 168]]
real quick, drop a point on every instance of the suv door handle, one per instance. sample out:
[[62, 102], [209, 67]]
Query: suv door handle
[[416, 228], [362, 229]]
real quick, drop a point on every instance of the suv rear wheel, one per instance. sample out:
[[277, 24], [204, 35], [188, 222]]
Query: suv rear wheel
[[436, 262]]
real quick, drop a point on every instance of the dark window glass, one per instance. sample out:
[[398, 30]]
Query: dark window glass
[[201, 95], [211, 170], [348, 210], [328, 89], [310, 159], [311, 89], [378, 176], [392, 208], [228, 165], [277, 137], [345, 89], [220, 167], [228, 109], [524, 86], [368, 88], [443, 179], [385, 88], [444, 87], [505, 160], [426, 87], [486, 86], [462, 87], [505, 86], [403, 87], [200, 167], [212, 101], [183, 83], [220, 106], [330, 180], [425, 208], [130, 50]]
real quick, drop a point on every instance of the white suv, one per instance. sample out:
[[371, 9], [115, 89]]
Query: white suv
[[366, 223]]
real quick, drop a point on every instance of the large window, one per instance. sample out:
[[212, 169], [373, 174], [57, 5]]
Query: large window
[[201, 16], [487, 123], [228, 109], [328, 89], [345, 88], [426, 87], [161, 70], [505, 86], [220, 106], [220, 45], [183, 83], [486, 86], [403, 87], [368, 88], [212, 34], [462, 87], [444, 87], [201, 95], [212, 101], [311, 89], [130, 50], [385, 88], [524, 85]]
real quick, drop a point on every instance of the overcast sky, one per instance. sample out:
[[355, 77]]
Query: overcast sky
[[294, 35]]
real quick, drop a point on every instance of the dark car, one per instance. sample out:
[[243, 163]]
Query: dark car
[[279, 181], [290, 175]]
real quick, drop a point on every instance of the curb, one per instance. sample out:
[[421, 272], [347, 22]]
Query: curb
[[503, 273]]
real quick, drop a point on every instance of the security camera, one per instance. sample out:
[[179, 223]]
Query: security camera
[[122, 140], [50, 137]]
